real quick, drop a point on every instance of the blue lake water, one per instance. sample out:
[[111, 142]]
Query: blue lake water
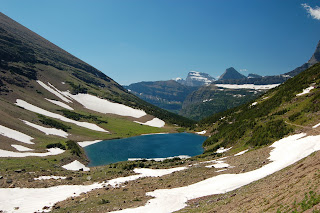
[[145, 146]]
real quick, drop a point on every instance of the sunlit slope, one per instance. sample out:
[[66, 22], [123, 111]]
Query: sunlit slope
[[287, 108]]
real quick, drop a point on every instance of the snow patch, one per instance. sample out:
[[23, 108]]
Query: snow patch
[[50, 177], [242, 152], [156, 122], [88, 143], [202, 132], [59, 103], [54, 91], [21, 148], [248, 86], [306, 91], [253, 104], [13, 134], [75, 166], [36, 109], [47, 131], [222, 150], [159, 159], [52, 151], [104, 106], [316, 126]]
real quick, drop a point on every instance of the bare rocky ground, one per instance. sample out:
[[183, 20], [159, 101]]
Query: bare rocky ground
[[132, 194], [281, 191]]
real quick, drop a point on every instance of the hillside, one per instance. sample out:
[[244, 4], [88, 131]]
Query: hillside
[[212, 99], [49, 100], [273, 115], [168, 95]]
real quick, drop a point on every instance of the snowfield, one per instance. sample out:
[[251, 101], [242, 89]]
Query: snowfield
[[47, 131], [248, 86], [285, 152], [97, 104], [104, 106], [156, 122], [52, 151], [34, 199], [38, 110], [75, 166], [13, 134]]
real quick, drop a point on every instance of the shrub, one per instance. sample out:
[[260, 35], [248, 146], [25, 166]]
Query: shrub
[[56, 145], [53, 123]]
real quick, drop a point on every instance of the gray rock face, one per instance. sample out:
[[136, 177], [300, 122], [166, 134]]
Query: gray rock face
[[231, 73], [316, 56], [195, 79]]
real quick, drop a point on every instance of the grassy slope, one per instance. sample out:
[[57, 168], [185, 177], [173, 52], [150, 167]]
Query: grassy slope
[[277, 113], [218, 101]]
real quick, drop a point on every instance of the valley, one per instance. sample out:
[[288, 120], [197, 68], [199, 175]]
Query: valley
[[237, 144]]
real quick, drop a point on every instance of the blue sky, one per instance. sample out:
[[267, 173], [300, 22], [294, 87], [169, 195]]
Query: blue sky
[[148, 40]]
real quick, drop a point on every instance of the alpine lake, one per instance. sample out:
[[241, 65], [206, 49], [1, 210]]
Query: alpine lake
[[144, 147]]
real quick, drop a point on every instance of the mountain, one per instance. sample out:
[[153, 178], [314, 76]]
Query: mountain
[[231, 74], [195, 79], [49, 100], [315, 58], [168, 95]]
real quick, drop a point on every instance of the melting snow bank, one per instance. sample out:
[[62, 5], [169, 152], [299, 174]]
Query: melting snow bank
[[34, 199], [242, 152], [49, 177], [59, 103], [54, 91], [88, 143], [202, 132], [156, 122], [247, 86], [104, 106], [305, 91], [222, 150], [47, 131], [36, 109], [10, 133], [21, 148], [286, 152], [316, 126], [75, 166], [159, 159], [52, 151]]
